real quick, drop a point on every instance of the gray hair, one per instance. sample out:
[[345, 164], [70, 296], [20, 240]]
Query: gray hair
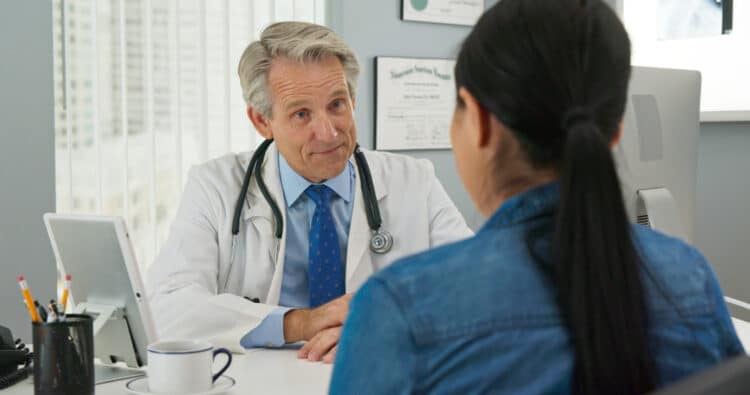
[[298, 41]]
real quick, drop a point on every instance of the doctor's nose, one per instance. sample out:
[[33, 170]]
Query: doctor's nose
[[324, 129]]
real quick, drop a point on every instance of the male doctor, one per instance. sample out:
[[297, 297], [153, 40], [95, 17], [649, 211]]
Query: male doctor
[[299, 82]]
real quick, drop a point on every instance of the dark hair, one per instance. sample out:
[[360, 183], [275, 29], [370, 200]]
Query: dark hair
[[556, 72]]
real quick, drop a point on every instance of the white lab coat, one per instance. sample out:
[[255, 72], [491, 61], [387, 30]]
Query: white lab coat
[[196, 293]]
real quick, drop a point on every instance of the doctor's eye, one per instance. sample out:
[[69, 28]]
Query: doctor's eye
[[338, 104], [300, 115]]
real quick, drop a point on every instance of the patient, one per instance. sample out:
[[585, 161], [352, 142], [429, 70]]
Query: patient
[[557, 293]]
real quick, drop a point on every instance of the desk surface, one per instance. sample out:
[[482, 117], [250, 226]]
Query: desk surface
[[280, 372], [258, 372], [743, 332]]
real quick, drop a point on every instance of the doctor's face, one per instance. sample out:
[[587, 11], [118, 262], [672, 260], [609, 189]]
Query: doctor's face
[[312, 118]]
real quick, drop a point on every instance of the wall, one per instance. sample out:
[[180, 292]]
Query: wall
[[722, 232], [722, 217], [27, 158], [375, 28], [371, 28]]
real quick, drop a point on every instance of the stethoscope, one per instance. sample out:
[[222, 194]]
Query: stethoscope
[[380, 241]]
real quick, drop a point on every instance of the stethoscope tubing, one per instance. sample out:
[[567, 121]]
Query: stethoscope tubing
[[372, 210]]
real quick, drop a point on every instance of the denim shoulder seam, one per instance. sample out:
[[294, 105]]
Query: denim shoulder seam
[[431, 334], [402, 303]]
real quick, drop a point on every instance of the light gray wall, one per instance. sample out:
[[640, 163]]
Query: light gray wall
[[722, 230], [722, 219], [375, 28], [371, 28], [27, 158]]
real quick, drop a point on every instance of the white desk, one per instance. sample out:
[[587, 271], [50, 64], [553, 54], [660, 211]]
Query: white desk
[[257, 372], [263, 371], [743, 332]]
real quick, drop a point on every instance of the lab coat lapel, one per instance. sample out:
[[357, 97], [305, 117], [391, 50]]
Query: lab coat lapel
[[259, 210], [358, 256]]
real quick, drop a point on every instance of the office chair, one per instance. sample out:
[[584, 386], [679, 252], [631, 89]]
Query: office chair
[[729, 378]]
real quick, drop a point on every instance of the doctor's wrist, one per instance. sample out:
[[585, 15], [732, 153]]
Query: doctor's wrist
[[295, 324]]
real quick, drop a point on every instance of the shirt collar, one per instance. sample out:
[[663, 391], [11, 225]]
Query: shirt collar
[[294, 185], [526, 205]]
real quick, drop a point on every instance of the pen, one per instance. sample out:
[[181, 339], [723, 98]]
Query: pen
[[52, 316], [41, 310], [66, 292], [53, 308], [27, 298]]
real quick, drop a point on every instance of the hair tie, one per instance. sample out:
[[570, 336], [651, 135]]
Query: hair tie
[[576, 116]]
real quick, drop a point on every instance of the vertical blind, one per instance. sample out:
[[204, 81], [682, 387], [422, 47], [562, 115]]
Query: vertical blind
[[144, 89]]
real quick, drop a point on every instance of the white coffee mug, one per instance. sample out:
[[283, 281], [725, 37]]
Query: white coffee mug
[[183, 366]]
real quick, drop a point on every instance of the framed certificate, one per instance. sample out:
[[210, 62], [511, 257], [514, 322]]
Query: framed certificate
[[414, 103], [453, 12]]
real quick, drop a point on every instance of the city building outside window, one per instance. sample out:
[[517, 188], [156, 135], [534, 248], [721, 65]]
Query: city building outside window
[[145, 89]]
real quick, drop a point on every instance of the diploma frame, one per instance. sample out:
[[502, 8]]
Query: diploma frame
[[408, 15], [381, 133]]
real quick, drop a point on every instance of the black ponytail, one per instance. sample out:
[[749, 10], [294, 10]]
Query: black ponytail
[[597, 270], [556, 72]]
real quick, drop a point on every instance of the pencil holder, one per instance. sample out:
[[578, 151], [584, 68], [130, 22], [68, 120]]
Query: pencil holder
[[64, 356]]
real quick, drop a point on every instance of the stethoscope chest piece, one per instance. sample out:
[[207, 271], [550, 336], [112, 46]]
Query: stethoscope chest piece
[[381, 241]]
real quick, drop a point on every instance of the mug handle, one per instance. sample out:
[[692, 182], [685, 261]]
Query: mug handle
[[229, 362]]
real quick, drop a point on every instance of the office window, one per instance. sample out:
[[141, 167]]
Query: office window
[[144, 89]]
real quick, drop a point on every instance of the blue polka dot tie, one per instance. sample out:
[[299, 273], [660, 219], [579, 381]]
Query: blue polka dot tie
[[326, 272]]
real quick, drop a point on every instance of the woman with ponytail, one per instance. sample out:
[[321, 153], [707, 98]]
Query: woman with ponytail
[[557, 293]]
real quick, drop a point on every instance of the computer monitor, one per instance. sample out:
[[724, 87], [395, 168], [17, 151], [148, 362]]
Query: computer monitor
[[106, 283], [657, 157]]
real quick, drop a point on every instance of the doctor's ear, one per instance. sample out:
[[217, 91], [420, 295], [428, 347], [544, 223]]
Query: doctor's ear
[[260, 122]]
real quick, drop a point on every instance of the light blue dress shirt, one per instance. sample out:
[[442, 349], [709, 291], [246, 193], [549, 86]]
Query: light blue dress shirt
[[299, 213]]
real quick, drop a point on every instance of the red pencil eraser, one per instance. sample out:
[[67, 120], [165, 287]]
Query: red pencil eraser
[[20, 278], [67, 277]]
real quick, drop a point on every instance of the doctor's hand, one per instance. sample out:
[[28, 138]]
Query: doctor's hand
[[322, 346], [305, 324]]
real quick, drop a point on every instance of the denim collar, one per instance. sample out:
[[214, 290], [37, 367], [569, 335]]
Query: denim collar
[[294, 185], [524, 206]]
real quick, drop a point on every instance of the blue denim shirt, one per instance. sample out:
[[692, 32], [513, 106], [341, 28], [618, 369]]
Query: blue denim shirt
[[477, 316]]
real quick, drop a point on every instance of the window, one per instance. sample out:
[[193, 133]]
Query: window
[[144, 89]]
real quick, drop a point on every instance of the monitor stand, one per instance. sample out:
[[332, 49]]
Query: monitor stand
[[657, 209], [107, 373], [114, 349]]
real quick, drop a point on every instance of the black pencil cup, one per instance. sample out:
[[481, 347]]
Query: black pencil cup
[[64, 356]]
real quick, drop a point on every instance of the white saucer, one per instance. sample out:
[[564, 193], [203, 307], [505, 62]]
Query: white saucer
[[139, 386]]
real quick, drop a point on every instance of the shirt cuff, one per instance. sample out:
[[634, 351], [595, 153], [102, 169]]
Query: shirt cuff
[[269, 333]]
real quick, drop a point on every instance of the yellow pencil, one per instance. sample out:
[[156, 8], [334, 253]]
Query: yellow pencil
[[29, 300], [66, 292]]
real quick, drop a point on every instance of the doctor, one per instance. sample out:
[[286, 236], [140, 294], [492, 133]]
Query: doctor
[[276, 262]]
